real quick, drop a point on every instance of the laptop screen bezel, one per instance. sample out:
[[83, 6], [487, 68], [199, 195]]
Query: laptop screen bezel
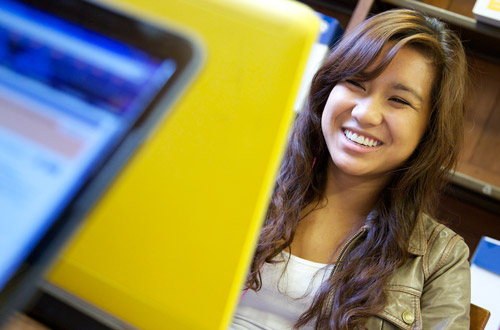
[[151, 38]]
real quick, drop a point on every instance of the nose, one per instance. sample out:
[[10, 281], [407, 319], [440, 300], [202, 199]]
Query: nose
[[368, 112]]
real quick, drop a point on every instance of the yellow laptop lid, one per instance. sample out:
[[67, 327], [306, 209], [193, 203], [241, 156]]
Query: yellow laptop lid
[[168, 246]]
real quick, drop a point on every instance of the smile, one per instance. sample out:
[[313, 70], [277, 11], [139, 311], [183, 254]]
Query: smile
[[360, 139]]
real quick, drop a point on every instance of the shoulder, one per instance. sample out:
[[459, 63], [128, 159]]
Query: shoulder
[[443, 247], [432, 288]]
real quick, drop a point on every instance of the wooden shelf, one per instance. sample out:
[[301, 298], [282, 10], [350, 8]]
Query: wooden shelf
[[478, 186], [480, 39]]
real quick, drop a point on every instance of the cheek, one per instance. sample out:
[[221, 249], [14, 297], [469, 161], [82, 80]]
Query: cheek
[[409, 131], [326, 121], [332, 110], [420, 127], [327, 116]]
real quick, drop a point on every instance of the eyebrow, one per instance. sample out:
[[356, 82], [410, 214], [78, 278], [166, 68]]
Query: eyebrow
[[408, 89]]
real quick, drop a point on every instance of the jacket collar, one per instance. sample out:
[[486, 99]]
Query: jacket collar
[[418, 241], [417, 244]]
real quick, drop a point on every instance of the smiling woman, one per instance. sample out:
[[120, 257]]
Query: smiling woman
[[366, 124], [348, 241]]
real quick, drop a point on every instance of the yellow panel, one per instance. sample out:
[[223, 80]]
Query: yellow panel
[[168, 246]]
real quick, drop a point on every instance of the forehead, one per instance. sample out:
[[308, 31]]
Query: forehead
[[409, 66], [410, 60], [407, 53]]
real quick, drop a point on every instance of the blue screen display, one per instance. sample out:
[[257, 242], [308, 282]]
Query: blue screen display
[[67, 95]]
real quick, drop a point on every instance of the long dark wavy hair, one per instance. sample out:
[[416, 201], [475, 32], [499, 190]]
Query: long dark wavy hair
[[355, 290]]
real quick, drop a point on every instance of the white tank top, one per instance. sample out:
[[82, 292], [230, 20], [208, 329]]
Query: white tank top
[[283, 297]]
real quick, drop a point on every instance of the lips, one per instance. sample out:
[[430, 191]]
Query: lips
[[361, 139]]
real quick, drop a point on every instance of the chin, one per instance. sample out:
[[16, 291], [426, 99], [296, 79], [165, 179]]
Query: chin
[[360, 170], [350, 169]]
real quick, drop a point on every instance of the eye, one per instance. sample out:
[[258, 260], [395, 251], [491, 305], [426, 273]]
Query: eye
[[400, 101], [355, 83]]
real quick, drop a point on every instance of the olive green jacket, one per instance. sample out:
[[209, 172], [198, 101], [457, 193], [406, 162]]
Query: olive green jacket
[[432, 289]]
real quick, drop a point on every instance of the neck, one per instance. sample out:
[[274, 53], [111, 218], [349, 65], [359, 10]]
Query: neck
[[325, 227], [352, 196]]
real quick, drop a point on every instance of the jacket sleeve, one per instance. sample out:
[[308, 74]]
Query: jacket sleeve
[[445, 301]]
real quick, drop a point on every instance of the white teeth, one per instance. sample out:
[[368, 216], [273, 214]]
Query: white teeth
[[368, 142]]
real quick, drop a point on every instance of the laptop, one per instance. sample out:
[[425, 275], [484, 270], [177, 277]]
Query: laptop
[[81, 87], [170, 242]]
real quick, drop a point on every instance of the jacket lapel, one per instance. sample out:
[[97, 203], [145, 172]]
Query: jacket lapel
[[418, 242]]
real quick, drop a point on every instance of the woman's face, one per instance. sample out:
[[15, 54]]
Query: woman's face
[[372, 127]]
